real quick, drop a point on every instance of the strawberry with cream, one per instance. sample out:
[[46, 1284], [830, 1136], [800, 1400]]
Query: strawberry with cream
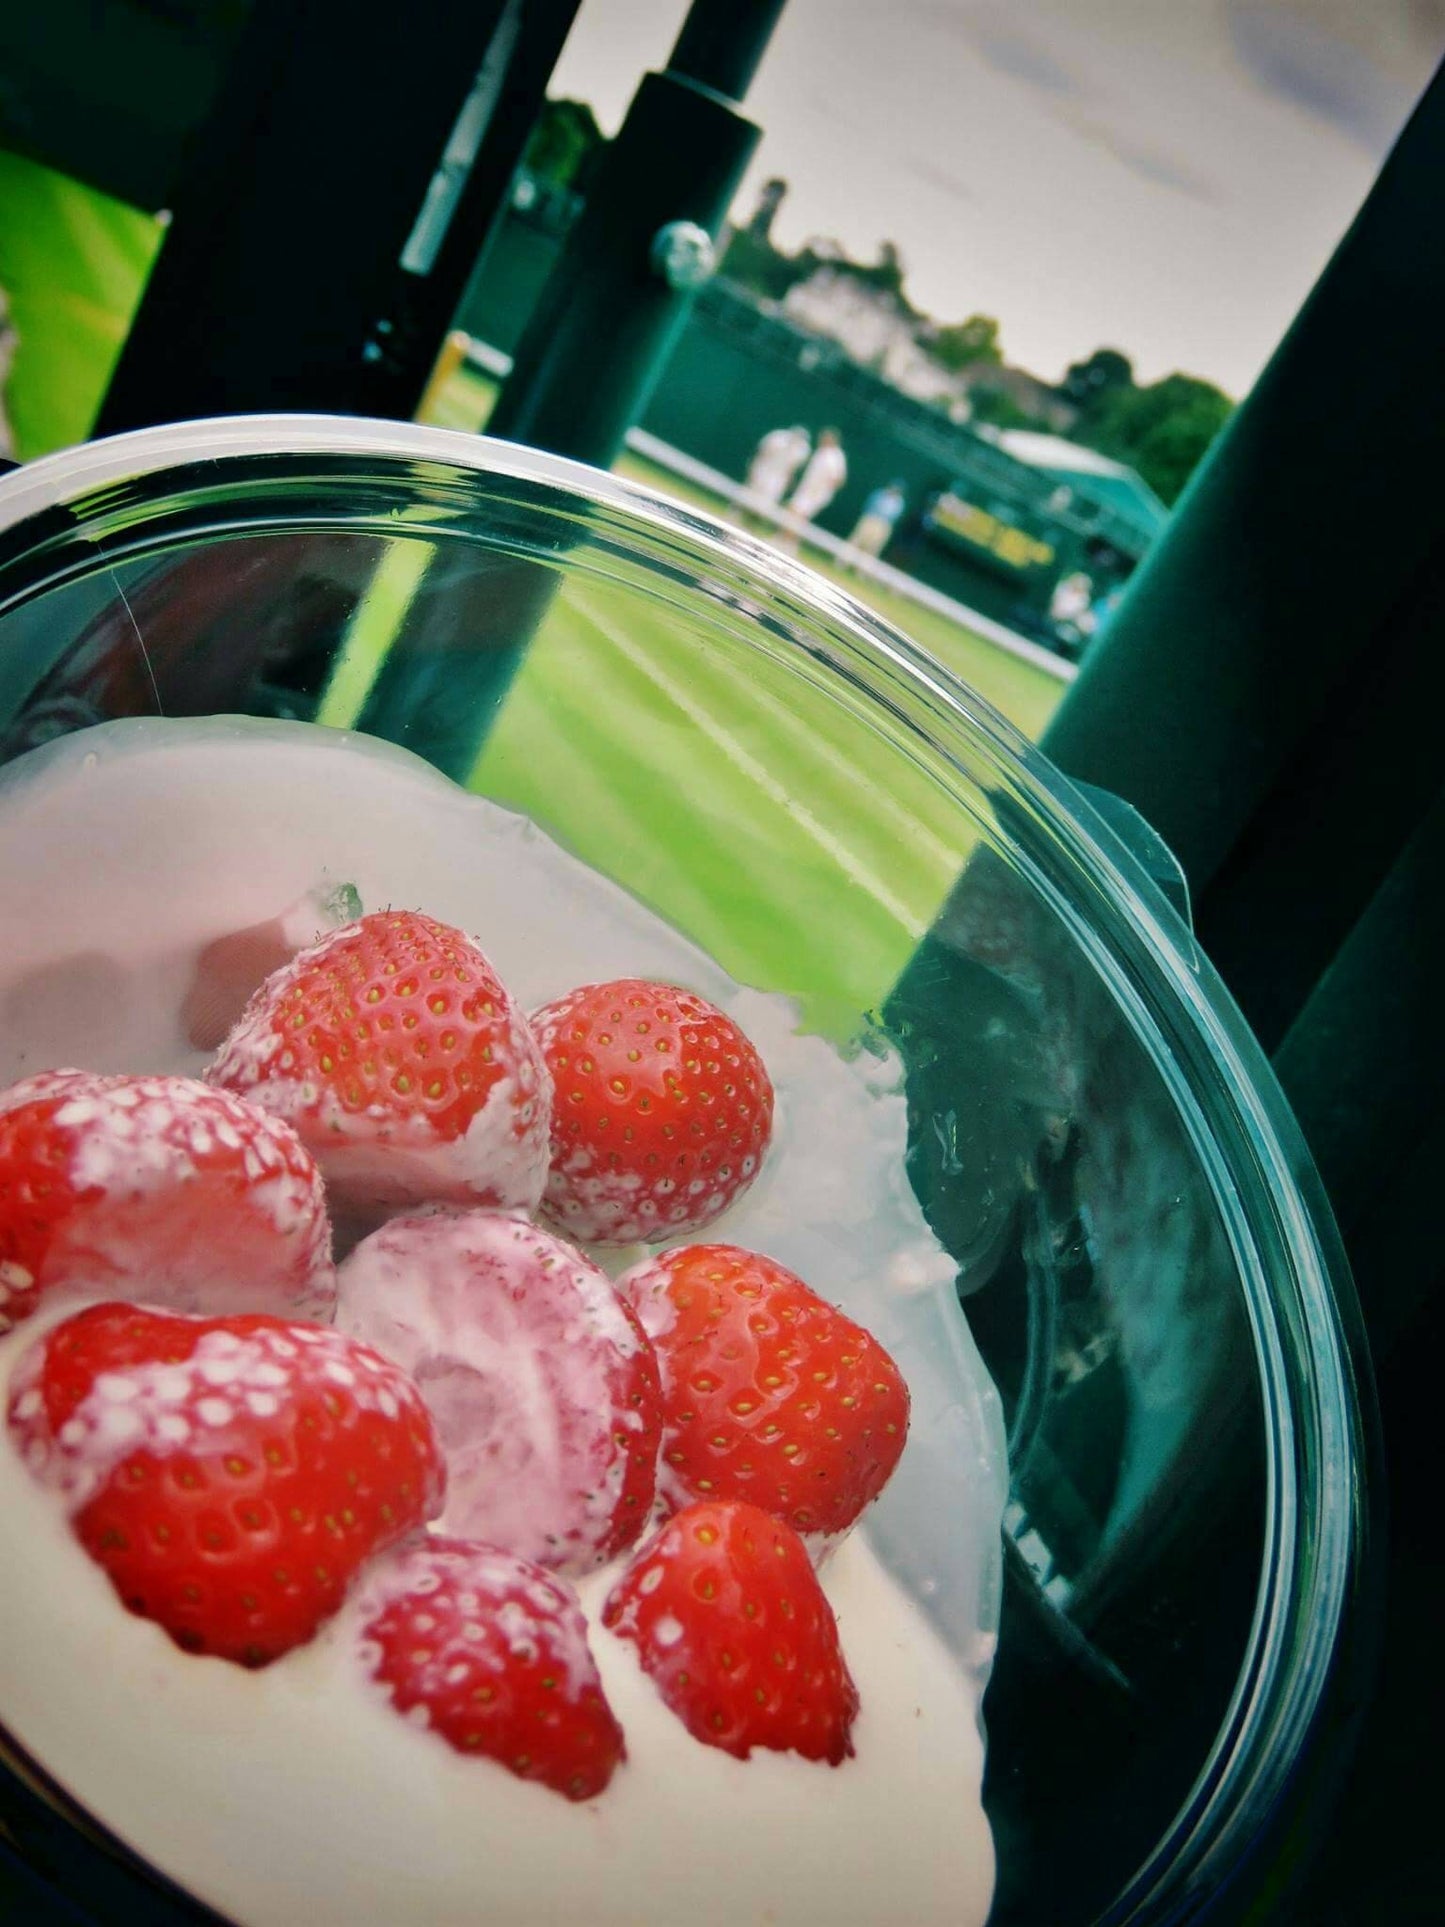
[[543, 1388], [663, 1111], [345, 1762], [159, 1188], [232, 1475], [490, 1653], [403, 1064]]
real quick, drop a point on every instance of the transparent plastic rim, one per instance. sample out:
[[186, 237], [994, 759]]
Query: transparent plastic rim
[[1291, 1265]]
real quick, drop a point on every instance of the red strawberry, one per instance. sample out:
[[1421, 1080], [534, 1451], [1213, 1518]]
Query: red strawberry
[[231, 966], [403, 1063], [662, 1111], [768, 1393], [542, 1386], [161, 1188], [229, 1474], [494, 1651], [733, 1628]]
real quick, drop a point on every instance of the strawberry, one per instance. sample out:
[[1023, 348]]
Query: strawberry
[[406, 1068], [662, 1112], [161, 1188], [543, 1388], [230, 967], [734, 1630], [230, 1475], [490, 1652], [768, 1392]]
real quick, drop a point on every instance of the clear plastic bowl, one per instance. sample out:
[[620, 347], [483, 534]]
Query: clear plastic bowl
[[1143, 1251]]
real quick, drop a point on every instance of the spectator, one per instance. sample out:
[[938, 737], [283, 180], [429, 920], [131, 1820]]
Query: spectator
[[776, 460], [881, 512], [1071, 617], [825, 474]]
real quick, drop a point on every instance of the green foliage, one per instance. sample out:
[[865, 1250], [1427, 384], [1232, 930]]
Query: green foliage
[[992, 408], [963, 344], [1162, 430], [564, 145], [1089, 383]]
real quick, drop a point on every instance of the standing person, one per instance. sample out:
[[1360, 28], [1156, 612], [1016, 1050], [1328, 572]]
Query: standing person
[[776, 460], [1069, 612], [825, 474], [881, 513]]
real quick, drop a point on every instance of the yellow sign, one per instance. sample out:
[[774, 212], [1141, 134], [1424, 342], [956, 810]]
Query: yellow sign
[[972, 524]]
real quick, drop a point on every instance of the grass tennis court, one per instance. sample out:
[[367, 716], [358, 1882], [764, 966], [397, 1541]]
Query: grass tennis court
[[751, 811], [1027, 695]]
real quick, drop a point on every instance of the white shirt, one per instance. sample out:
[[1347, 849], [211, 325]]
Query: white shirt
[[822, 478], [776, 461]]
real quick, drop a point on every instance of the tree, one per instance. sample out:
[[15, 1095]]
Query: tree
[[564, 144], [1088, 384], [964, 343], [992, 408], [751, 261], [1162, 430]]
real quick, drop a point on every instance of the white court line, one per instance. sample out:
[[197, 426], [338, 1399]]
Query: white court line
[[743, 759], [789, 724]]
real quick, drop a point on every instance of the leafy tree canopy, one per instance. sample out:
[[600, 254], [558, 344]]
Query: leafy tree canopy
[[962, 344], [1162, 430], [1088, 383], [564, 144], [992, 408]]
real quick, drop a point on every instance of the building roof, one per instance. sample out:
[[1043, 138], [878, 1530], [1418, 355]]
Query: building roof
[[1113, 483]]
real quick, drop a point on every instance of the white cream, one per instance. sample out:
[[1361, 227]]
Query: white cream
[[294, 1793]]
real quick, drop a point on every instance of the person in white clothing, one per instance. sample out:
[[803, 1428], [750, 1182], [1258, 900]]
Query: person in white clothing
[[776, 460], [825, 474]]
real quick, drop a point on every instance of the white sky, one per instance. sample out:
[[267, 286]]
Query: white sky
[[1163, 176]]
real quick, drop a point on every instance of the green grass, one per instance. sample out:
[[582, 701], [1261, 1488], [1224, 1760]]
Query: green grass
[[749, 808], [1026, 695], [73, 263]]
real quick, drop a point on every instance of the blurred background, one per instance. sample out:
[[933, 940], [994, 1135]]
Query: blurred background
[[1023, 260]]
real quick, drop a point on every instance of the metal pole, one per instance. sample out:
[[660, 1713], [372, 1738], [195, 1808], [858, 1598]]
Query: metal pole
[[618, 296], [595, 345], [722, 43]]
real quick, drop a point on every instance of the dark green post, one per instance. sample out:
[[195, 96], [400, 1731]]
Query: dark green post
[[1265, 698], [619, 295], [1263, 695], [598, 339]]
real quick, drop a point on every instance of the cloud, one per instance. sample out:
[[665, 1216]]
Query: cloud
[[1002, 44], [1150, 163], [932, 175], [1323, 71], [997, 39]]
